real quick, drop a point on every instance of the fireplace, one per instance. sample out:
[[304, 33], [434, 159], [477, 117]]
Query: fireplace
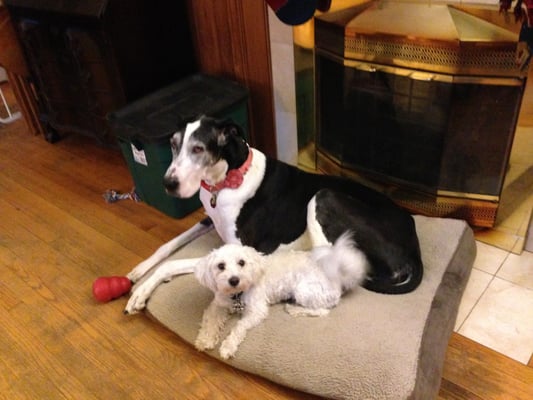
[[421, 100]]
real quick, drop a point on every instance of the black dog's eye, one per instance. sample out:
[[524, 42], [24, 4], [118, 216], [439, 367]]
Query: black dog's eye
[[221, 266], [241, 263], [197, 149], [175, 141]]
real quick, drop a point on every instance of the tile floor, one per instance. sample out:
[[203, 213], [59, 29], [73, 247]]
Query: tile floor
[[497, 306]]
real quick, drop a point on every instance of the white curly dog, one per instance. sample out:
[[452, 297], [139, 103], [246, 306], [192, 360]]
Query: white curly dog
[[245, 281]]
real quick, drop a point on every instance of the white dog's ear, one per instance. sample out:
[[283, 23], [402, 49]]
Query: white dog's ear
[[256, 261], [204, 273]]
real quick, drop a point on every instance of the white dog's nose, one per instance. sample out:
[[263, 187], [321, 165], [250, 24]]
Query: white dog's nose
[[234, 281]]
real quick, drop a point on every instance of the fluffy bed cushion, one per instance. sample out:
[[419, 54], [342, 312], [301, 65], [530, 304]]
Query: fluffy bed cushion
[[372, 346]]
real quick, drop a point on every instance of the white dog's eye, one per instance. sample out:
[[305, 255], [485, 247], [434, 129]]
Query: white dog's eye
[[197, 149], [241, 263], [221, 266]]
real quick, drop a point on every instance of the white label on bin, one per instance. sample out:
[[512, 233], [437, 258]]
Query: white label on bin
[[139, 156]]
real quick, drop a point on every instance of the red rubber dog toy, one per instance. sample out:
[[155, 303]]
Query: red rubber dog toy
[[110, 287]]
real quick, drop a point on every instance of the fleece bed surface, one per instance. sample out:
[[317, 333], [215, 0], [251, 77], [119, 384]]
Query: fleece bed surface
[[371, 346]]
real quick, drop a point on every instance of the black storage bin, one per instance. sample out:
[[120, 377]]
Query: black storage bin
[[144, 127]]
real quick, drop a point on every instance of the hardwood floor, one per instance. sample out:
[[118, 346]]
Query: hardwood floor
[[57, 235]]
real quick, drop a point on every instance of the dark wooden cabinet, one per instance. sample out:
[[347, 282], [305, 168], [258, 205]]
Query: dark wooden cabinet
[[88, 58]]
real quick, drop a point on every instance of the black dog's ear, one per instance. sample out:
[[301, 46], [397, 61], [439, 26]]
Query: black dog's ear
[[227, 129]]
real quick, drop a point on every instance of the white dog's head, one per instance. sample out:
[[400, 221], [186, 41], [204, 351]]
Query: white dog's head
[[230, 269]]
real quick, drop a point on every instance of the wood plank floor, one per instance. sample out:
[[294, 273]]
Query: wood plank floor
[[57, 235]]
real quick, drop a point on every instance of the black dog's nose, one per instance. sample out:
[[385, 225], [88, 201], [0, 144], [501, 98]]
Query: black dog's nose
[[234, 281], [170, 184]]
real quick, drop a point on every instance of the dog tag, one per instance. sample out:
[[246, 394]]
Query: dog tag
[[238, 303], [213, 201]]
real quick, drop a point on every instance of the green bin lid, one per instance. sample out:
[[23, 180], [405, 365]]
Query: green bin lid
[[157, 116]]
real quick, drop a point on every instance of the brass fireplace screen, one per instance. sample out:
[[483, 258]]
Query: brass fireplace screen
[[425, 105]]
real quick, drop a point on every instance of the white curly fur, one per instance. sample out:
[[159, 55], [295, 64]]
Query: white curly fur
[[313, 280]]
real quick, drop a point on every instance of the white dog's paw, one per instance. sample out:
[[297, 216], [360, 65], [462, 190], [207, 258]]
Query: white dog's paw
[[228, 348], [205, 342], [138, 299], [299, 311]]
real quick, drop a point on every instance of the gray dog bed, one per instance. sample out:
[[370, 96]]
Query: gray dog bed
[[372, 346]]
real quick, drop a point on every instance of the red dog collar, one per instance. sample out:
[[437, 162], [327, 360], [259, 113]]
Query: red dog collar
[[233, 180]]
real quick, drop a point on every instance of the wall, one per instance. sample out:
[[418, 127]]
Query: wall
[[282, 56]]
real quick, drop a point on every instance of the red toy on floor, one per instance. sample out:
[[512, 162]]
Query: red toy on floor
[[110, 287]]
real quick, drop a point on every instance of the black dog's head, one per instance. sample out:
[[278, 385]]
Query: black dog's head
[[204, 150]]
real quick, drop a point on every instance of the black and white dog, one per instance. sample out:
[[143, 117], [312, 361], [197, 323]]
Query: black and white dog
[[264, 203]]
